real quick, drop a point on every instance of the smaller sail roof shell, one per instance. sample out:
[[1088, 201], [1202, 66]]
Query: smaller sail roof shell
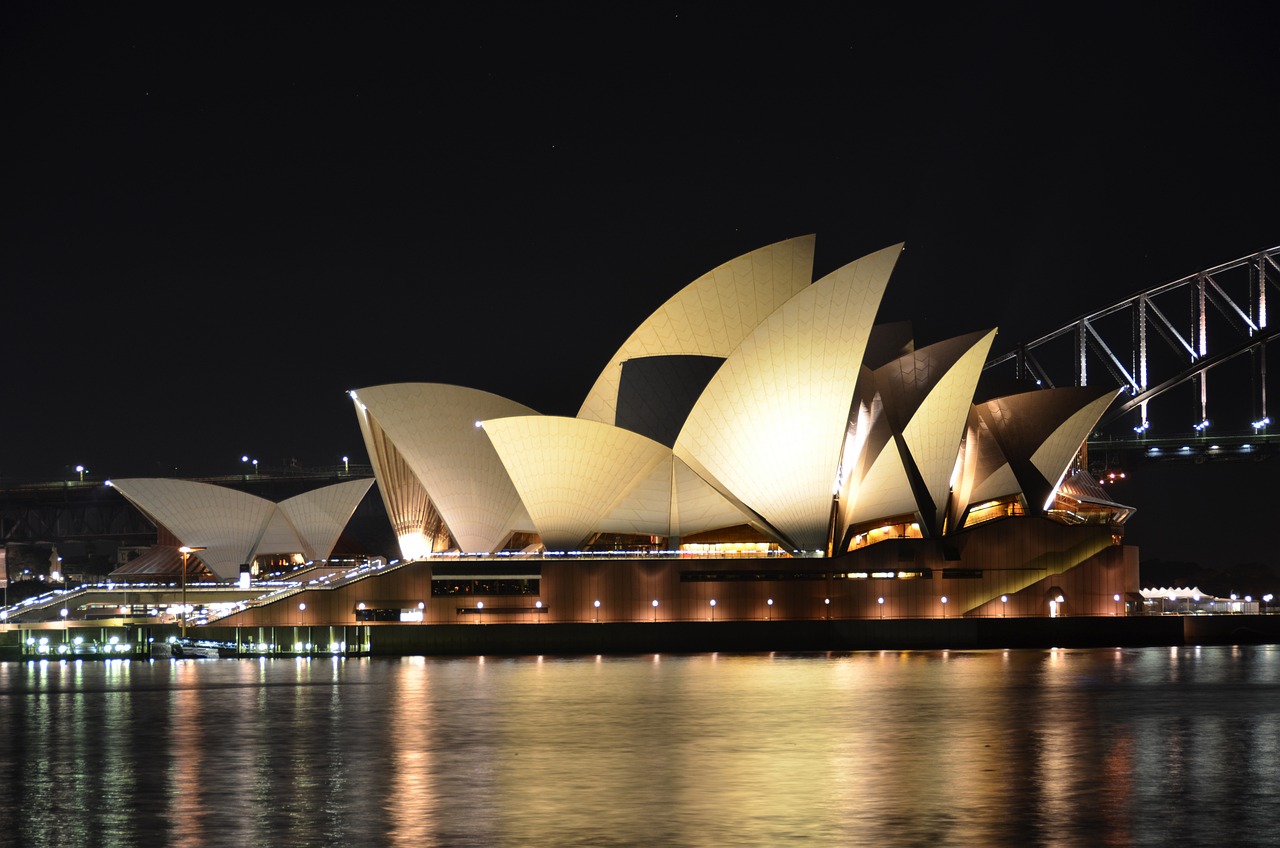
[[232, 527], [319, 516], [226, 523], [434, 429], [571, 473]]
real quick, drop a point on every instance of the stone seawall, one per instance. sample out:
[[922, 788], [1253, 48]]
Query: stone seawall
[[742, 636], [757, 636]]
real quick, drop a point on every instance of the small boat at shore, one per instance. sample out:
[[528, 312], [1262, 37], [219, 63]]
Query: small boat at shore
[[185, 650]]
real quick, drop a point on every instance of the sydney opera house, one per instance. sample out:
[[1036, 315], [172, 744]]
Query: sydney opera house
[[758, 448]]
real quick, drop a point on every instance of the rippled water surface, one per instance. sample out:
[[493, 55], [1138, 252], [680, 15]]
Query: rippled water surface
[[1075, 747]]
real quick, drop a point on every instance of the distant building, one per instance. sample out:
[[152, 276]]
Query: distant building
[[1181, 601]]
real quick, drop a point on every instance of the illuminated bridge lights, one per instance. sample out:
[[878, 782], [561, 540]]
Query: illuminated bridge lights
[[1260, 423], [1202, 426]]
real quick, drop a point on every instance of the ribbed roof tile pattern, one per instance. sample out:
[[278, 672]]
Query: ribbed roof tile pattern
[[934, 433], [1035, 435], [1053, 458], [320, 515], [697, 506], [571, 472], [711, 315], [811, 412], [885, 491], [927, 395], [433, 426], [234, 526], [771, 424], [228, 524], [413, 518]]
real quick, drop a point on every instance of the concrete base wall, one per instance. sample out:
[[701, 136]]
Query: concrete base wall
[[748, 636], [758, 636]]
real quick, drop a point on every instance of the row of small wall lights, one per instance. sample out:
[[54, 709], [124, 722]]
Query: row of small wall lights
[[712, 603]]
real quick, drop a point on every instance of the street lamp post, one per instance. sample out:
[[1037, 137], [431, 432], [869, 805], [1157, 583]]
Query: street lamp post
[[186, 551], [346, 465], [713, 609], [944, 606], [80, 469]]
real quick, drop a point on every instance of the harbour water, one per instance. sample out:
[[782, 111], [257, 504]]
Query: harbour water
[[1138, 746]]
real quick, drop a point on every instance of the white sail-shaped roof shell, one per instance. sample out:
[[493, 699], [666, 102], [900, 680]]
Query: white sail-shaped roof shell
[[581, 477], [885, 491], [927, 395], [434, 430], [228, 524], [769, 428], [413, 518], [999, 483], [934, 433], [281, 537], [697, 507], [710, 316], [319, 516], [571, 473], [1054, 457], [233, 527], [1043, 428]]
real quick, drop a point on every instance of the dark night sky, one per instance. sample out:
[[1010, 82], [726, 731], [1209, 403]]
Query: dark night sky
[[220, 217]]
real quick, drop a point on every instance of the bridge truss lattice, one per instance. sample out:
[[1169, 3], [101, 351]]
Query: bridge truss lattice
[[1167, 337]]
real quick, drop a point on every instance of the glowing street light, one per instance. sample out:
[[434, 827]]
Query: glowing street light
[[655, 609], [597, 606], [346, 465], [480, 611], [944, 606], [880, 604], [80, 469], [1004, 606], [713, 609], [768, 612]]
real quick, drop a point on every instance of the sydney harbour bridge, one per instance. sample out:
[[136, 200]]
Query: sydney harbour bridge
[[1188, 357]]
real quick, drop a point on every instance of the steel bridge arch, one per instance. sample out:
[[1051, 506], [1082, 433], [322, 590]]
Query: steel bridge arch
[[1225, 317]]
